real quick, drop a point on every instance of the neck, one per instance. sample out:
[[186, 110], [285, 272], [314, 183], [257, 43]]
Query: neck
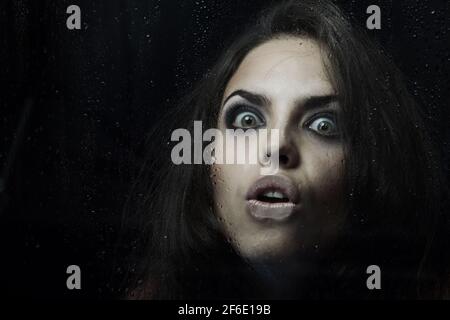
[[283, 279]]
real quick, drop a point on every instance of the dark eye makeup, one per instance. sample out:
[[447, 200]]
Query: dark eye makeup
[[243, 116], [323, 124]]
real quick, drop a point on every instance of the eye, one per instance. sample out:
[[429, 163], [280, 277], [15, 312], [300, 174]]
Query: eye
[[324, 125], [244, 117], [247, 120]]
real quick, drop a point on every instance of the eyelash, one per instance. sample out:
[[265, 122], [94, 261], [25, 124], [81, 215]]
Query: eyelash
[[234, 110], [330, 115]]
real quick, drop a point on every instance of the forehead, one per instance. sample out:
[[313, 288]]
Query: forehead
[[289, 66]]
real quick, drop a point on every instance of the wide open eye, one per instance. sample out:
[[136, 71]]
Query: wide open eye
[[324, 125], [244, 117], [247, 120]]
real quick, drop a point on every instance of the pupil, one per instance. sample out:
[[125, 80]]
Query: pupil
[[324, 126], [248, 120]]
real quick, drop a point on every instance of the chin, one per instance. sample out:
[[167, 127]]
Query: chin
[[274, 250]]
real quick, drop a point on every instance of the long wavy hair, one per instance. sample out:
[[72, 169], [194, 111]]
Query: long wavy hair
[[394, 191]]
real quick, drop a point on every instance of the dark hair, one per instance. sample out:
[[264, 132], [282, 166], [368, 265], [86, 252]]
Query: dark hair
[[394, 190]]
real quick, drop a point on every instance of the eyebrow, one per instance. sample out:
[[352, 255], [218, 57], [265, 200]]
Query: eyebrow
[[311, 102], [254, 98], [314, 102]]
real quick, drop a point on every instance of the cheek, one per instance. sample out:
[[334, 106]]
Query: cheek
[[220, 187], [229, 186], [322, 174], [231, 177], [324, 168], [229, 201]]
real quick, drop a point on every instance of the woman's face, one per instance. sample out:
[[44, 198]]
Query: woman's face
[[282, 84]]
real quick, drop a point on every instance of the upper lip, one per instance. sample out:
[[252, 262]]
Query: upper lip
[[274, 183]]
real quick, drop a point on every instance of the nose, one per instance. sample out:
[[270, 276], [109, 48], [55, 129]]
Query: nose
[[288, 153]]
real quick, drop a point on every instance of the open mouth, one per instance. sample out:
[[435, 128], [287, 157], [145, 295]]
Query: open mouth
[[273, 198]]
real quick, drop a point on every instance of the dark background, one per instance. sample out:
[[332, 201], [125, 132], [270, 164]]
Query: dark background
[[75, 107]]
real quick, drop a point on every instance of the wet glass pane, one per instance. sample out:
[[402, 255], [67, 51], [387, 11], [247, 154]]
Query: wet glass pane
[[115, 156]]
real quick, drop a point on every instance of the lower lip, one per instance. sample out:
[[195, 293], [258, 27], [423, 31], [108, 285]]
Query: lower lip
[[278, 211]]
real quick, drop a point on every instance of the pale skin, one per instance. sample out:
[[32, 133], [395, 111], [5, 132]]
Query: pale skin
[[300, 101]]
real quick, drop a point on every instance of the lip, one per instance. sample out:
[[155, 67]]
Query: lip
[[275, 211]]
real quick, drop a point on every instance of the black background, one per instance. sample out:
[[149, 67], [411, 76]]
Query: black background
[[75, 106]]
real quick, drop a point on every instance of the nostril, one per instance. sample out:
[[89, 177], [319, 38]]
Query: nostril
[[284, 159]]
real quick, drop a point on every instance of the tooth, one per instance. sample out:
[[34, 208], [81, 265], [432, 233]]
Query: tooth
[[274, 194], [278, 195]]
